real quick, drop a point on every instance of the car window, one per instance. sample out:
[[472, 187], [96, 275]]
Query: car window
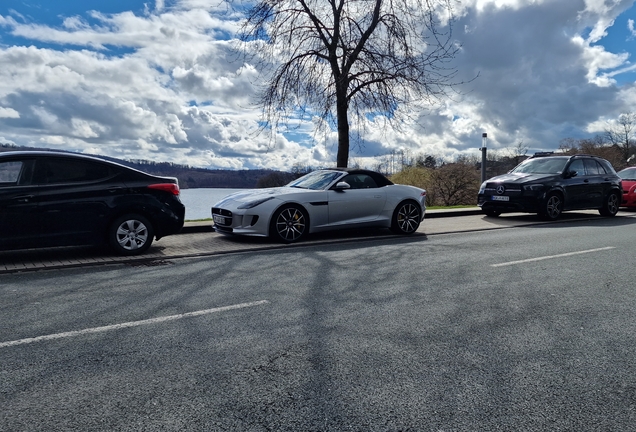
[[593, 168], [609, 169], [71, 171], [18, 173], [360, 181], [578, 166], [10, 171], [541, 166]]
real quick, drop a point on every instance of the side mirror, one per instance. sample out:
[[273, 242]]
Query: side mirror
[[342, 186], [570, 174]]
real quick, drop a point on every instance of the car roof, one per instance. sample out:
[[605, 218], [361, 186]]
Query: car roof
[[379, 178], [561, 155], [61, 153], [49, 153], [65, 154]]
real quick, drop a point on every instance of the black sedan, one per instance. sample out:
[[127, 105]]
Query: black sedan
[[548, 184], [60, 199]]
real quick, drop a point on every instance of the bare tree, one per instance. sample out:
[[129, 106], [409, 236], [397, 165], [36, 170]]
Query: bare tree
[[622, 133], [336, 58], [455, 184], [596, 146]]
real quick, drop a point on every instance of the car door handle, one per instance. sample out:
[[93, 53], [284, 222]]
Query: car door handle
[[115, 189], [23, 198], [586, 181]]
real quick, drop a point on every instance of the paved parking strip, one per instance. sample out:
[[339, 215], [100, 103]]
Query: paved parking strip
[[198, 239]]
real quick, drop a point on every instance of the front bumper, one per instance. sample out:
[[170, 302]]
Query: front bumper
[[520, 203], [238, 222]]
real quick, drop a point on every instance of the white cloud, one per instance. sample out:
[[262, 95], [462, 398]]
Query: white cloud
[[9, 113], [166, 85]]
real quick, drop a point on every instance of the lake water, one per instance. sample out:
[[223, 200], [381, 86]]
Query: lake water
[[198, 202]]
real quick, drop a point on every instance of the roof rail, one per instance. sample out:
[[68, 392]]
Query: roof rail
[[539, 154]]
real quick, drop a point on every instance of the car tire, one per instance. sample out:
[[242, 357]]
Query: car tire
[[130, 234], [610, 205], [552, 207], [406, 218], [289, 224], [492, 213]]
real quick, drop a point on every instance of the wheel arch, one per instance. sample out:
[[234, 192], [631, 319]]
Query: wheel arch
[[393, 222], [405, 200], [284, 204], [121, 211], [555, 190]]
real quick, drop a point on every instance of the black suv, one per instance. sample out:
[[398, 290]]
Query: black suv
[[548, 184], [62, 199]]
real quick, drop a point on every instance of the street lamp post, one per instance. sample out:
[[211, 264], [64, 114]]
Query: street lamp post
[[483, 149]]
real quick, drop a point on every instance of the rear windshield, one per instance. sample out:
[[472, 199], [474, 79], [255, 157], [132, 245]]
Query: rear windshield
[[552, 165]]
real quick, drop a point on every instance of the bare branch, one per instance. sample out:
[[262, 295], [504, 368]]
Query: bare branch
[[346, 58]]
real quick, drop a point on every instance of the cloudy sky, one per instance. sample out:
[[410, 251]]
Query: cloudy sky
[[158, 80]]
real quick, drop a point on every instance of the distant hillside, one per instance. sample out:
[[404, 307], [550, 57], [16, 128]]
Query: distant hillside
[[190, 177]]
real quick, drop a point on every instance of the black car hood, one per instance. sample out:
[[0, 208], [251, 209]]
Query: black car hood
[[521, 178]]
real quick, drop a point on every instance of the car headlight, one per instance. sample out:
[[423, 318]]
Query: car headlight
[[482, 188], [533, 187], [252, 204]]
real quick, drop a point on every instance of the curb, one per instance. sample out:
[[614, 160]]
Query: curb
[[194, 227]]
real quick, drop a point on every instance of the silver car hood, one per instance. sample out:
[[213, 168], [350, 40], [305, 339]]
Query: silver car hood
[[256, 194]]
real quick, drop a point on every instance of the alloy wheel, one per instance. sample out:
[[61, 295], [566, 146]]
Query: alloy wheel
[[132, 235], [408, 218], [291, 224], [553, 207]]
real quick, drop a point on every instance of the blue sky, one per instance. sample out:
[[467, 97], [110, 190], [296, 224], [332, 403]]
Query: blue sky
[[159, 80]]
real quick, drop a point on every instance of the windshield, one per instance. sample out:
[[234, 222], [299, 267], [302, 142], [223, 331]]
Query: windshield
[[628, 174], [316, 180], [553, 165]]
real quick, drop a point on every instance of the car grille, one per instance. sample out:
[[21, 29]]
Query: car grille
[[222, 212], [510, 189], [221, 216]]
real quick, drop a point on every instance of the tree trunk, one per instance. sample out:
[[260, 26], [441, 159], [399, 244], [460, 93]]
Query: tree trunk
[[342, 106]]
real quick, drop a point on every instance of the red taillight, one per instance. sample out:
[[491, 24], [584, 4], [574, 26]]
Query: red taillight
[[172, 188]]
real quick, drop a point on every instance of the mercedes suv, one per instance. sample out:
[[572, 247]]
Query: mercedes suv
[[548, 184]]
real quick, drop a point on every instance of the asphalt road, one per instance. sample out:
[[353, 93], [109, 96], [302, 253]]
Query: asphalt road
[[524, 328]]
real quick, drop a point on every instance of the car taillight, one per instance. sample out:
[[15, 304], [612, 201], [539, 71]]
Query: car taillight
[[172, 188]]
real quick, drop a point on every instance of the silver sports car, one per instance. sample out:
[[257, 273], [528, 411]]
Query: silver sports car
[[322, 200]]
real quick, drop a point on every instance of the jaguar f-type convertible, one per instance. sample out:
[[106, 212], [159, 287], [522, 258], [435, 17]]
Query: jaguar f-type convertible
[[322, 200]]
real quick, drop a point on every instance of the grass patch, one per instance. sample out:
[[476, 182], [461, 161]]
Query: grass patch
[[449, 207]]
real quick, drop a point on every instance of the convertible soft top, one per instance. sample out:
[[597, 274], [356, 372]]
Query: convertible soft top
[[380, 180]]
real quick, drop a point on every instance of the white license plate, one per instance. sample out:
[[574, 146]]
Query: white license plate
[[218, 219], [500, 198]]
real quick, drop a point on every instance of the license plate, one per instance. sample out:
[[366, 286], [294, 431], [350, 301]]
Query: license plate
[[218, 219], [500, 198]]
